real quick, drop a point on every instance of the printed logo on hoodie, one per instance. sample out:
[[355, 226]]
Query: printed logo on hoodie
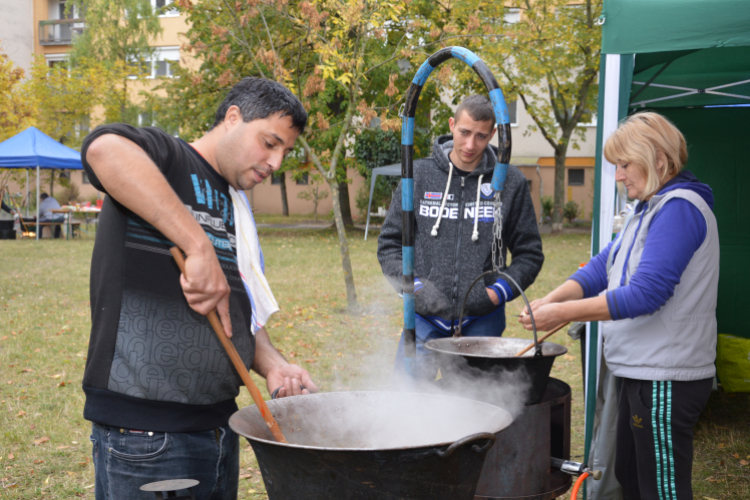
[[436, 196], [487, 191]]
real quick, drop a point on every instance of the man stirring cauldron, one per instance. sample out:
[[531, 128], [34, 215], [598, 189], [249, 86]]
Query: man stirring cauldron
[[159, 386], [453, 209]]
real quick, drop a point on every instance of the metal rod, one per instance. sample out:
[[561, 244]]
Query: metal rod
[[650, 81], [408, 115]]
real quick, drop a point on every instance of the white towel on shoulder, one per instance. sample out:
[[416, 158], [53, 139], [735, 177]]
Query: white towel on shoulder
[[250, 262]]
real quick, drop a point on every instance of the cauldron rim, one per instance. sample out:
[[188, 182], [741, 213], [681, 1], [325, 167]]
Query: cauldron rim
[[437, 346], [506, 419]]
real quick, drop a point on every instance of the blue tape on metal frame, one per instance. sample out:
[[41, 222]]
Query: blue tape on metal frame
[[498, 176], [409, 318], [407, 195], [501, 108], [422, 74], [465, 55], [407, 259], [407, 131]]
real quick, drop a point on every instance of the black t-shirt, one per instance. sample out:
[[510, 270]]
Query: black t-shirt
[[153, 363]]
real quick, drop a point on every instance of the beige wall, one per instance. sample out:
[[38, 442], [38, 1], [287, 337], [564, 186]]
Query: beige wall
[[16, 31], [583, 195], [266, 197]]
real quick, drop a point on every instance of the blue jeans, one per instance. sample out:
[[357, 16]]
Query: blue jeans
[[125, 460], [492, 325]]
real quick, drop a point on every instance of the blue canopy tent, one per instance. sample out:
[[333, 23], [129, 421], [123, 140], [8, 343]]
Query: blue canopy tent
[[34, 149]]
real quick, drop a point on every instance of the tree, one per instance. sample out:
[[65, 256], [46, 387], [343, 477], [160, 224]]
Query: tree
[[549, 60], [16, 112], [314, 193], [117, 36], [63, 99], [329, 52]]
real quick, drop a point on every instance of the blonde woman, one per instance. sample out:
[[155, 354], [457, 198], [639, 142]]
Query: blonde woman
[[659, 311]]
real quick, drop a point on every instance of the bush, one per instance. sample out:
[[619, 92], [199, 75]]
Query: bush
[[548, 203], [376, 148], [571, 211]]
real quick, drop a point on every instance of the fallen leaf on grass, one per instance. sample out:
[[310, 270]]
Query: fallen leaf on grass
[[12, 485], [736, 455], [61, 384], [11, 456], [251, 490], [41, 440], [21, 413], [744, 462], [310, 360], [245, 476], [27, 370], [38, 461], [721, 445], [709, 498], [62, 447], [57, 376]]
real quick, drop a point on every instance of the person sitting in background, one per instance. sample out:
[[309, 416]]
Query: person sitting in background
[[5, 207], [46, 214]]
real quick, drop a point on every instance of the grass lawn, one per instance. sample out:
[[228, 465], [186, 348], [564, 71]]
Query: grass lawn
[[44, 313]]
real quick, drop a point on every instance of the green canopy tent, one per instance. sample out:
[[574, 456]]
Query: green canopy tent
[[689, 60]]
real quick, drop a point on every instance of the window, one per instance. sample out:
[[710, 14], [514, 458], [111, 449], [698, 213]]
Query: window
[[164, 60], [512, 15], [165, 8], [513, 112], [55, 59], [161, 65], [576, 177], [302, 180], [85, 178], [146, 119], [276, 178]]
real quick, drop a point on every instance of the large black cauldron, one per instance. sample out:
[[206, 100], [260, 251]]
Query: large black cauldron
[[373, 445]]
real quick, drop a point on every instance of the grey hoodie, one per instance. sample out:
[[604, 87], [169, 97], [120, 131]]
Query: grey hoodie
[[448, 263]]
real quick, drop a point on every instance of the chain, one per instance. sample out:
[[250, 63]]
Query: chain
[[497, 234]]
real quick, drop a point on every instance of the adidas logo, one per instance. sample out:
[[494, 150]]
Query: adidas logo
[[637, 422]]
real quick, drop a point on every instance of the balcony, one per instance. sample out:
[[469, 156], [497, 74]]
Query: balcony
[[59, 31]]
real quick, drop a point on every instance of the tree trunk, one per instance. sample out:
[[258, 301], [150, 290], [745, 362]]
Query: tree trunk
[[346, 209], [52, 182], [284, 199], [557, 210], [351, 293]]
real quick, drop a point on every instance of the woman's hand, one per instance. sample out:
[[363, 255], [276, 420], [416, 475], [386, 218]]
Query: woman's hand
[[546, 316], [535, 304]]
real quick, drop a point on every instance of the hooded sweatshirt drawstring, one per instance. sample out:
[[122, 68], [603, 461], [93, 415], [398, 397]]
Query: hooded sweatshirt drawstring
[[445, 198], [475, 234]]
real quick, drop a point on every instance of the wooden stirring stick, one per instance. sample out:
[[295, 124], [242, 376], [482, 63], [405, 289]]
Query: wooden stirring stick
[[542, 339], [236, 360]]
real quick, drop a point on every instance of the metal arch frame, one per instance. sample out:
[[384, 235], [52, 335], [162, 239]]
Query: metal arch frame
[[407, 171]]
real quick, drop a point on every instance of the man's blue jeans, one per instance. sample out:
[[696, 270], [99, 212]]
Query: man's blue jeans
[[125, 460], [492, 325]]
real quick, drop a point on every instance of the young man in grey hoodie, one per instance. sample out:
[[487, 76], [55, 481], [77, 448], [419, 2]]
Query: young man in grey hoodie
[[454, 219]]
